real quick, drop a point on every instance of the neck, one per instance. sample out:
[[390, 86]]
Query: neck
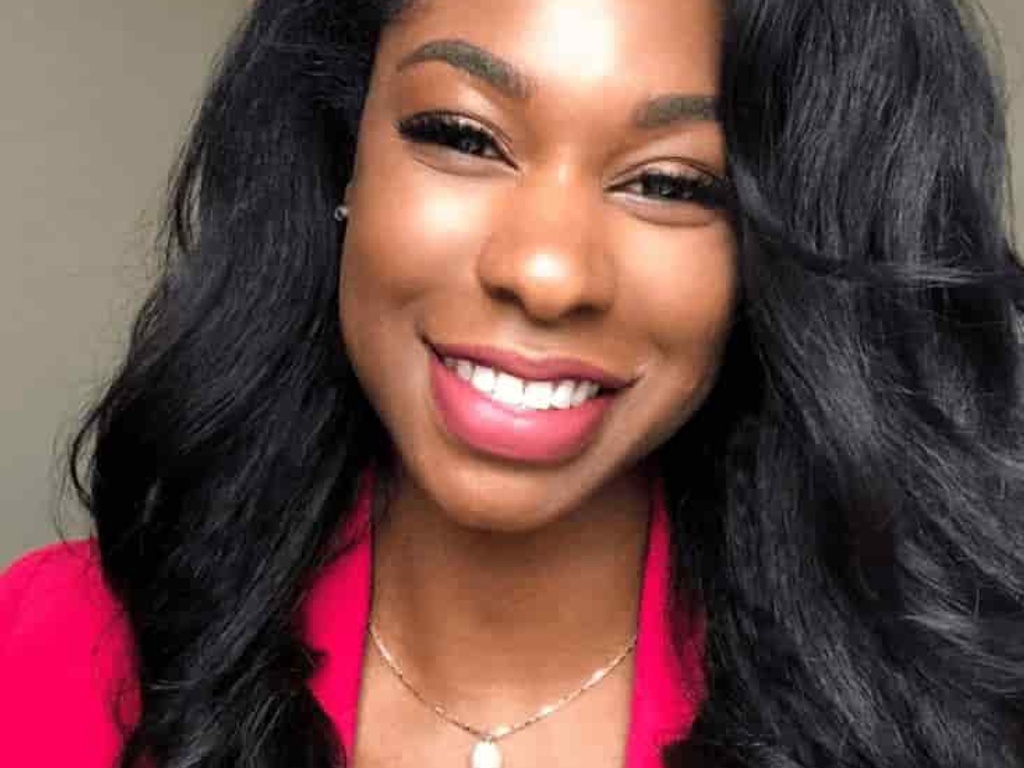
[[468, 612]]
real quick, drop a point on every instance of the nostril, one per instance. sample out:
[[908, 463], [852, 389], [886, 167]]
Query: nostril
[[504, 295], [549, 268]]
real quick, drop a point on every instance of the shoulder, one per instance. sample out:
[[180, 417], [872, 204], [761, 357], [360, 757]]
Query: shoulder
[[54, 599], [64, 654], [42, 584]]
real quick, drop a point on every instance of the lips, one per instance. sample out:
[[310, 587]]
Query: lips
[[513, 433], [546, 369]]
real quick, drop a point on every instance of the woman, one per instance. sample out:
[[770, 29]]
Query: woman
[[564, 383]]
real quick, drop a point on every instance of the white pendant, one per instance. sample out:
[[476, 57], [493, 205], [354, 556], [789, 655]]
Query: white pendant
[[486, 755]]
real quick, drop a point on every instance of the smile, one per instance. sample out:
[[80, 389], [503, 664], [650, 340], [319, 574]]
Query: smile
[[505, 388], [549, 415]]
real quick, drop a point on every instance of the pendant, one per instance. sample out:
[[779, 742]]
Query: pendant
[[485, 755]]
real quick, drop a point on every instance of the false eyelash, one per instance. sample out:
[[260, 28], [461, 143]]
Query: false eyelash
[[705, 189], [449, 131], [461, 135]]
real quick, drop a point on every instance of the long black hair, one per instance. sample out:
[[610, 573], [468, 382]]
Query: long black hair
[[847, 506]]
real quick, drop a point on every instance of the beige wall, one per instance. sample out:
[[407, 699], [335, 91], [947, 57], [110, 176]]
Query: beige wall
[[1007, 17], [96, 96]]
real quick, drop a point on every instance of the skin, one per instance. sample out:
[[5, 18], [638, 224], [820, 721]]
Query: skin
[[501, 585]]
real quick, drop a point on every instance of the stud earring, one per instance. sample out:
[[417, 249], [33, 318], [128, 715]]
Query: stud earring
[[341, 213]]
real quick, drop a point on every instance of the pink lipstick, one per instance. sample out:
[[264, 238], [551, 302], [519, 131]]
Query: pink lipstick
[[516, 432]]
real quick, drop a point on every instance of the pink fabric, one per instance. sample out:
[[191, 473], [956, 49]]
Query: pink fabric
[[668, 682], [64, 651]]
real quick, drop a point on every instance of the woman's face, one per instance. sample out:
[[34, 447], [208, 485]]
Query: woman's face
[[536, 212]]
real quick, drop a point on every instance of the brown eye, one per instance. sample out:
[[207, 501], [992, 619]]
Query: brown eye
[[450, 131], [703, 189]]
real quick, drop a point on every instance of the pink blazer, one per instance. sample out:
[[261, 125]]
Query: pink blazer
[[63, 654]]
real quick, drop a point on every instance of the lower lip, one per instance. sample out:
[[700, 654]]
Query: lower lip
[[509, 432]]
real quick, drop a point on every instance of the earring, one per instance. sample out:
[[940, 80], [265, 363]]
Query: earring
[[341, 213]]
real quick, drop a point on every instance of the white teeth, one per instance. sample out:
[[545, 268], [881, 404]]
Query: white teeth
[[483, 379], [562, 396], [537, 395], [463, 368], [508, 390], [513, 391], [583, 392]]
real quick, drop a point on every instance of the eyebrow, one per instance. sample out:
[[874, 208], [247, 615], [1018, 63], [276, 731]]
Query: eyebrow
[[674, 108], [511, 81], [482, 64]]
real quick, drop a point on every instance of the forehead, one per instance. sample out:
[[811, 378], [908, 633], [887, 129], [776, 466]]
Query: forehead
[[577, 47]]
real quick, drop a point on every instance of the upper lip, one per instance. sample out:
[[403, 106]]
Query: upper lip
[[533, 369]]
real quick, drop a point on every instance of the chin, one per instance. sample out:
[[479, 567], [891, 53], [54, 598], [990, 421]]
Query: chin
[[483, 494], [504, 499]]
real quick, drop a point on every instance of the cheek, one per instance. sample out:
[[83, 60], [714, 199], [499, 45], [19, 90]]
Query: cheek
[[688, 283], [414, 227], [406, 245], [683, 296]]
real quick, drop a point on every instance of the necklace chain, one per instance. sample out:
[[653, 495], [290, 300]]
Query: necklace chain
[[500, 732]]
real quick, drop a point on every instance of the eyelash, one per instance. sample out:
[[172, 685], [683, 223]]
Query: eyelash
[[460, 135], [449, 131]]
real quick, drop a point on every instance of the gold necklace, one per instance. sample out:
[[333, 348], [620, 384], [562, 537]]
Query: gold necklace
[[485, 752]]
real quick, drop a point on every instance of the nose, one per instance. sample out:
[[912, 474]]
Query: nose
[[546, 252]]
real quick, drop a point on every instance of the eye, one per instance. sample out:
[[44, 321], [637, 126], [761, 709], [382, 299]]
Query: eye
[[451, 131], [699, 187]]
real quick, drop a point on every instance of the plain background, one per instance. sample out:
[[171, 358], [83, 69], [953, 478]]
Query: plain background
[[95, 98]]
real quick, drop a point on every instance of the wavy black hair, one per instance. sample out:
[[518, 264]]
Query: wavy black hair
[[846, 506]]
